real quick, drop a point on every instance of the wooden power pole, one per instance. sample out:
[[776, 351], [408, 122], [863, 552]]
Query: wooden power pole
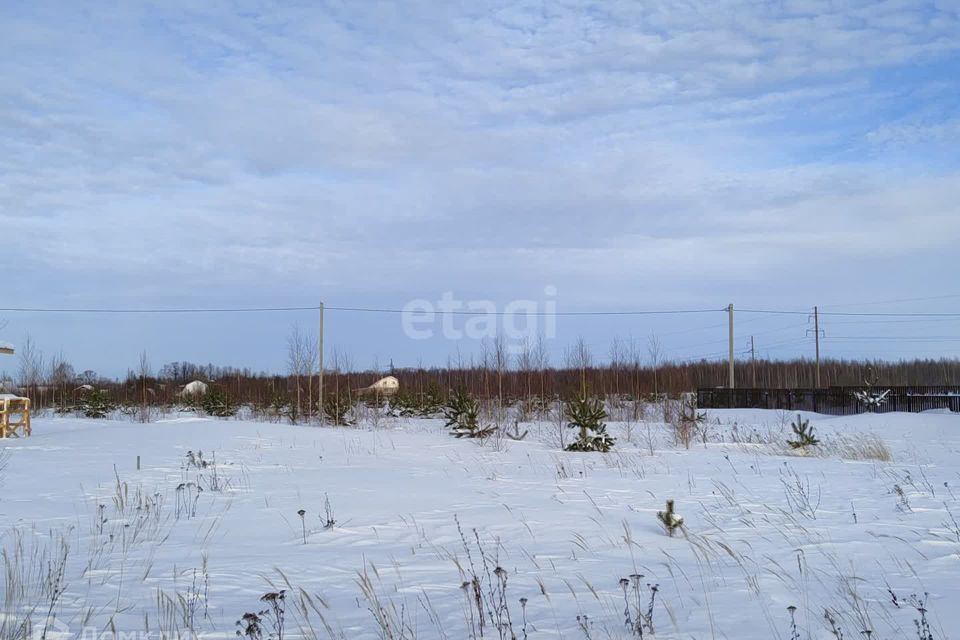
[[816, 333], [320, 363], [732, 383]]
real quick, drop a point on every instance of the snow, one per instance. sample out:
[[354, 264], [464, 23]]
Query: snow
[[386, 386], [565, 527], [195, 388]]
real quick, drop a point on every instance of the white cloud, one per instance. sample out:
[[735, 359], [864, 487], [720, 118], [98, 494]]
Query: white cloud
[[554, 142]]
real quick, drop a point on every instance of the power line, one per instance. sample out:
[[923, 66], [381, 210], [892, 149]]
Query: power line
[[791, 342], [356, 310], [897, 301], [910, 321], [779, 329], [133, 311], [643, 312], [690, 330], [853, 314], [666, 312], [898, 338], [891, 315]]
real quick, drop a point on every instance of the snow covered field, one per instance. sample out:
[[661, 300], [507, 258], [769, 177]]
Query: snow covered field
[[178, 546]]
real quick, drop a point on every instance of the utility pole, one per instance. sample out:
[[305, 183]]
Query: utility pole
[[320, 362], [816, 332], [816, 341], [732, 383], [753, 363]]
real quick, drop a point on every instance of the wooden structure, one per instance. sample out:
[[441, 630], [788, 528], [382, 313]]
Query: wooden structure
[[14, 416], [14, 410], [833, 400]]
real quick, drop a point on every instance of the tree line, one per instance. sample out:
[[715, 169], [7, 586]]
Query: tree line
[[496, 374]]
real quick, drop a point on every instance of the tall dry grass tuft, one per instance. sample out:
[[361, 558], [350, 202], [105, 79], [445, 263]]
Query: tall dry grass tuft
[[392, 622], [33, 581], [859, 446]]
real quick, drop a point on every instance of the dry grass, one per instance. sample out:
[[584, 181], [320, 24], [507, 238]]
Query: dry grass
[[859, 446], [867, 446], [33, 583], [772, 439]]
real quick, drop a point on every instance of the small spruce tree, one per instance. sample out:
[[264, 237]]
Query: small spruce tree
[[670, 520], [336, 407], [217, 403], [430, 402], [804, 432], [403, 405], [462, 414], [586, 415], [96, 403]]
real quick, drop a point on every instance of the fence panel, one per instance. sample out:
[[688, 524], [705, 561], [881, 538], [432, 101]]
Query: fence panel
[[833, 400]]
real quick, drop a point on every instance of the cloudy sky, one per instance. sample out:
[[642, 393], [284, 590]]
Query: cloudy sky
[[634, 155]]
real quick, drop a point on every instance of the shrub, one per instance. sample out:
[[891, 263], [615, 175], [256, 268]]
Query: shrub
[[687, 421], [96, 403], [586, 415], [670, 520], [216, 402], [403, 405], [336, 407], [425, 404], [431, 401]]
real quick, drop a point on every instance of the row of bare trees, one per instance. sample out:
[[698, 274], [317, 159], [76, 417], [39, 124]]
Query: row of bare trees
[[496, 372]]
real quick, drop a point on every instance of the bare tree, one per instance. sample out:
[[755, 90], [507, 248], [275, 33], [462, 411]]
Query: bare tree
[[485, 366], [374, 404], [525, 364], [500, 361], [144, 371], [30, 367], [311, 361], [579, 357], [655, 351], [618, 359], [299, 364], [60, 374], [342, 368], [541, 360]]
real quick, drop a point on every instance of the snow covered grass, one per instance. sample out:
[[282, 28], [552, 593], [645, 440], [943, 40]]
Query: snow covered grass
[[408, 533]]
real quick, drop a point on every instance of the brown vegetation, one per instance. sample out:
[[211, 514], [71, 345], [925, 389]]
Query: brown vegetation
[[636, 381]]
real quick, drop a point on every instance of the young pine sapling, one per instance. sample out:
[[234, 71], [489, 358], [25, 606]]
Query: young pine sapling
[[586, 415], [462, 414], [804, 433], [670, 520]]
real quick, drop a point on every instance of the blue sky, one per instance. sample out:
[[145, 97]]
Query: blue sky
[[653, 155]]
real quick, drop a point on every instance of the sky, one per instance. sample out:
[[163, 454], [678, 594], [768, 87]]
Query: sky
[[620, 155]]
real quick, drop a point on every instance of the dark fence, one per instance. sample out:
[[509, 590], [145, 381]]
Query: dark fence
[[833, 400]]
